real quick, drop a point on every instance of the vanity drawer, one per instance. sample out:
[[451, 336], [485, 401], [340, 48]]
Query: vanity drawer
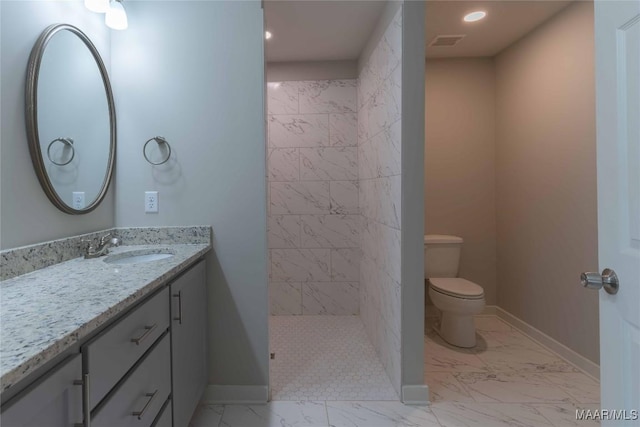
[[110, 355], [138, 400]]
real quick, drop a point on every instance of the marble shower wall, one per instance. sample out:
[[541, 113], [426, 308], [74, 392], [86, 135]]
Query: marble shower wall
[[313, 217], [379, 181]]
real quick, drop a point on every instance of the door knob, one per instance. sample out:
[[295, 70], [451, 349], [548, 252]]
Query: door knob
[[608, 279]]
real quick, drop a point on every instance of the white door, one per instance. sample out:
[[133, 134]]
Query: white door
[[617, 38]]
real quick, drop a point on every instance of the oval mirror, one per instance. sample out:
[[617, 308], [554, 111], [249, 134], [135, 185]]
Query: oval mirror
[[71, 120]]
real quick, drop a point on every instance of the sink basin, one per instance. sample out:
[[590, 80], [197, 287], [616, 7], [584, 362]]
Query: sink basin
[[138, 256]]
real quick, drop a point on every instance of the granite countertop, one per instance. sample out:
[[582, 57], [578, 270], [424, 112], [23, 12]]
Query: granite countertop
[[45, 312]]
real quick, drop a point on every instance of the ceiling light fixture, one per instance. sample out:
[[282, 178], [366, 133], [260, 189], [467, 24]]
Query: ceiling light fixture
[[116, 17], [474, 16], [98, 6], [267, 35]]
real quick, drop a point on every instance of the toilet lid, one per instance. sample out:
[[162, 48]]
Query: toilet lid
[[457, 287]]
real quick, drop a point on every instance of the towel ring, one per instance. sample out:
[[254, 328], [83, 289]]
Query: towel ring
[[66, 141], [159, 140]]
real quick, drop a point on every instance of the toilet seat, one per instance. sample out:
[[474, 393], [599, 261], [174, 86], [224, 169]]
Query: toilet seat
[[457, 287]]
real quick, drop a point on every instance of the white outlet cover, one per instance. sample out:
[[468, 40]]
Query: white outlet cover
[[78, 200], [151, 201]]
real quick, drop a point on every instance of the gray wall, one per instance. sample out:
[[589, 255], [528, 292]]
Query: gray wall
[[459, 196], [412, 249], [311, 70], [546, 179], [209, 104], [26, 214]]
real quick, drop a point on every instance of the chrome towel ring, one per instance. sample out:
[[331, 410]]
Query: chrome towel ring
[[66, 141], [159, 140]]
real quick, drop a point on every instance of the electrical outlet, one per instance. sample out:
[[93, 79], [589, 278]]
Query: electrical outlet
[[151, 201], [78, 200]]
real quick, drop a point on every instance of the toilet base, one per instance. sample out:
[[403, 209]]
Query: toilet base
[[457, 330]]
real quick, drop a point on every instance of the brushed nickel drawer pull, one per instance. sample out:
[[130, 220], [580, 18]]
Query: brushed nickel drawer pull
[[179, 296], [151, 396], [86, 407], [147, 332]]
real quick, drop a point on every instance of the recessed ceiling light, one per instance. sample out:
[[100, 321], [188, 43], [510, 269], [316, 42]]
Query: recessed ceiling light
[[474, 16], [267, 35]]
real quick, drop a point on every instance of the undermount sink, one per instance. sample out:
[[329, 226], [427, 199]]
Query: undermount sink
[[139, 256]]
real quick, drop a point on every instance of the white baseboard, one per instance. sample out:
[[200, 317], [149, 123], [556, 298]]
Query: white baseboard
[[236, 394], [415, 394], [580, 362]]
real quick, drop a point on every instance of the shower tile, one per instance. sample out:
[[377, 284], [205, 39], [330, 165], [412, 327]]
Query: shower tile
[[300, 197], [345, 265], [299, 130], [512, 388], [325, 164], [283, 231], [328, 96], [343, 130], [330, 231], [325, 358], [464, 414], [344, 197], [285, 298], [300, 265], [283, 164], [330, 298], [282, 97]]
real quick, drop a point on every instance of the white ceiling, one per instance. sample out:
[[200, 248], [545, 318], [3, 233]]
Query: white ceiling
[[326, 30], [506, 22], [311, 30]]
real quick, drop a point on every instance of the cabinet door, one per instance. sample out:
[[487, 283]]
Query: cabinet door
[[56, 401], [189, 342]]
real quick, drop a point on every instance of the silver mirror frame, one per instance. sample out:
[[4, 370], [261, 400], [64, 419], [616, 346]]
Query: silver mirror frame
[[31, 112]]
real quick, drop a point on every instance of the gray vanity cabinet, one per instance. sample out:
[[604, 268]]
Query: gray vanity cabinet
[[189, 342], [138, 400], [55, 400]]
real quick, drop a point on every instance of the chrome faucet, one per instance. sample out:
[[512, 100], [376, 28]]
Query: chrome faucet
[[104, 244]]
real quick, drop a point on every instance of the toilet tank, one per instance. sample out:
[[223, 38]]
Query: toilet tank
[[441, 255]]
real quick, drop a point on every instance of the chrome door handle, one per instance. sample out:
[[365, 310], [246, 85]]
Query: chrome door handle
[[179, 296], [147, 332], [151, 396], [607, 280]]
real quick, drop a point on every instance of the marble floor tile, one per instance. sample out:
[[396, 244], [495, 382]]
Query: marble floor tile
[[578, 385], [512, 351], [207, 416], [379, 414], [504, 387], [458, 414], [442, 357], [491, 324], [564, 415], [444, 387], [276, 414]]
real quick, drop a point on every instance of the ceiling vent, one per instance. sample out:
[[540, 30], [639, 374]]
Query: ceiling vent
[[446, 41]]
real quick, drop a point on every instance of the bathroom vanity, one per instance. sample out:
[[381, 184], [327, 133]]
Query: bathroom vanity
[[106, 341]]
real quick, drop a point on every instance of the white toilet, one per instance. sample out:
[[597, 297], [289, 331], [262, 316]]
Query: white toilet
[[458, 299]]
